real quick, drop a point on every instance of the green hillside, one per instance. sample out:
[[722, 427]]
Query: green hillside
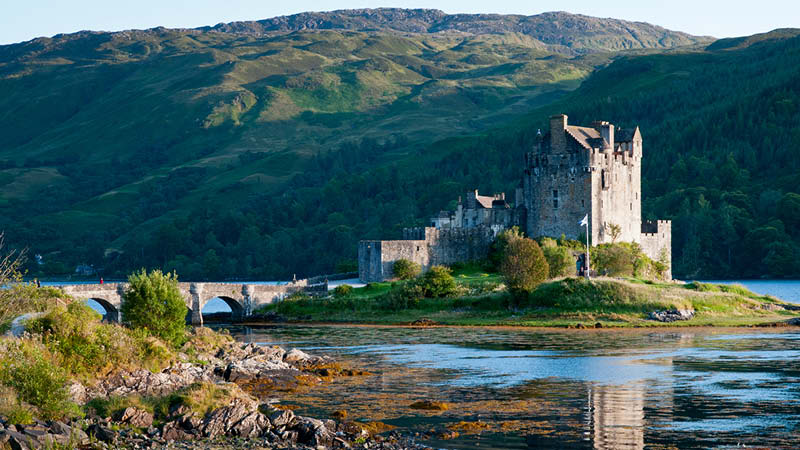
[[238, 151]]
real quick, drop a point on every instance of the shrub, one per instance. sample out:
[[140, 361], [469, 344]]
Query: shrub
[[405, 269], [15, 412], [438, 282], [29, 369], [616, 260], [405, 296], [153, 302], [87, 348], [523, 266], [559, 258], [498, 247], [343, 290]]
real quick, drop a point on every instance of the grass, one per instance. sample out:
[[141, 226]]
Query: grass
[[559, 303]]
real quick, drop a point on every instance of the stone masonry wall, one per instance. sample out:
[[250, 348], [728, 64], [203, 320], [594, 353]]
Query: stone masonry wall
[[426, 246], [656, 237]]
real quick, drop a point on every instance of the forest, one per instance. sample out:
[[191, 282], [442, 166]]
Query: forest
[[721, 128]]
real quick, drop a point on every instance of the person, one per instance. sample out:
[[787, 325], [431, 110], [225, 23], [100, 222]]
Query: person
[[38, 283], [101, 280]]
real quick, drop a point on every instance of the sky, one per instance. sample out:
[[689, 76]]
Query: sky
[[24, 20]]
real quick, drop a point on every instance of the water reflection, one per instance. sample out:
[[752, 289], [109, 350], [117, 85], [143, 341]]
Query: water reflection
[[604, 389]]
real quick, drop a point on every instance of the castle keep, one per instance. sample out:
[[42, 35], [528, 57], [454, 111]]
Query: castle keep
[[571, 172]]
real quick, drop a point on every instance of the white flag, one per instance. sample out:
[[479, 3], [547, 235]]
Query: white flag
[[585, 220]]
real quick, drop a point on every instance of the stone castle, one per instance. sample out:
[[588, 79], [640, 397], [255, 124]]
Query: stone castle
[[572, 171]]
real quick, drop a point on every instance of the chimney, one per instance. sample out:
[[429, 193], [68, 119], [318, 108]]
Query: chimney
[[558, 127], [607, 131]]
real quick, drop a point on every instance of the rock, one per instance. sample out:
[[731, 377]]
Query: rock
[[15, 440], [251, 369], [423, 322], [222, 420], [173, 431], [295, 357], [134, 417], [77, 393], [282, 418], [74, 434], [794, 322], [314, 432], [671, 315], [339, 415], [252, 425], [102, 433]]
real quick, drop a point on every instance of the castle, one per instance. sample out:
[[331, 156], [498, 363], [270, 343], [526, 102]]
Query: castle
[[572, 171]]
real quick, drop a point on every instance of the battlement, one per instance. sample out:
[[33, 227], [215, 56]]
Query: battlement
[[653, 227]]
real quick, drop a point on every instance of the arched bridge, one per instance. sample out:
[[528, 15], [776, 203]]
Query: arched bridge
[[243, 299]]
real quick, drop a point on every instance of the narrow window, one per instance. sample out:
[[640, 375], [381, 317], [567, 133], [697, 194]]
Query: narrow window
[[583, 203], [631, 206], [555, 199]]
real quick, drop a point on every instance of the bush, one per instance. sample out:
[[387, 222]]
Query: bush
[[405, 269], [153, 302], [524, 266], [88, 348], [29, 369], [438, 282], [498, 247], [559, 258], [343, 290], [405, 296]]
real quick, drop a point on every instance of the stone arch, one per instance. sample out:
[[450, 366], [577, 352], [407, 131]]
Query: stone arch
[[112, 312], [237, 309]]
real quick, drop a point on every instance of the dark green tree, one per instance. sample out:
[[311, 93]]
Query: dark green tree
[[153, 302]]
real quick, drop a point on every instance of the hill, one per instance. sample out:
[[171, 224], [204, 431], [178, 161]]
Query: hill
[[259, 154], [109, 138], [558, 31]]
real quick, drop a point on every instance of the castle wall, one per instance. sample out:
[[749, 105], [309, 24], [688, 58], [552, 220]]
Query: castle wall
[[557, 191], [616, 183], [656, 240], [425, 246]]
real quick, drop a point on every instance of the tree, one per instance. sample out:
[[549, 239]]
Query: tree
[[559, 258], [614, 231], [343, 290], [438, 282], [523, 266], [405, 269], [498, 247], [153, 302]]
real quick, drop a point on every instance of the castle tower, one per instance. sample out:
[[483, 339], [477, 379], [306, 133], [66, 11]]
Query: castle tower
[[584, 170]]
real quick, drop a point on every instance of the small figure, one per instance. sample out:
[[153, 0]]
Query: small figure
[[101, 280], [38, 283]]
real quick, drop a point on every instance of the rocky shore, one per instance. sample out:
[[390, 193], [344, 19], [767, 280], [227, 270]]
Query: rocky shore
[[242, 422]]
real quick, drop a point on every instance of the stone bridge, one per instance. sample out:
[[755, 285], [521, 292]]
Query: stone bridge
[[243, 299]]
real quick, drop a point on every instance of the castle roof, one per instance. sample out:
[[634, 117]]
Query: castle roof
[[627, 135], [587, 137], [484, 200]]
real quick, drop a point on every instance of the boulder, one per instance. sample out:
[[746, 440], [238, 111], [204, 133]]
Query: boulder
[[282, 418], [671, 315], [134, 417], [296, 357], [102, 433], [173, 431], [222, 420], [252, 425], [313, 432]]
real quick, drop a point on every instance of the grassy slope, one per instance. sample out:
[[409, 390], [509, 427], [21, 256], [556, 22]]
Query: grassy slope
[[559, 303], [130, 108]]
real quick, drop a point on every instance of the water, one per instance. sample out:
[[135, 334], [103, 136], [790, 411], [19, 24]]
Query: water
[[788, 290], [604, 389]]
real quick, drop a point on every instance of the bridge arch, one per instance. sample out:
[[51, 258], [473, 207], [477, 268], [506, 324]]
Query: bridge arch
[[235, 305], [112, 312]]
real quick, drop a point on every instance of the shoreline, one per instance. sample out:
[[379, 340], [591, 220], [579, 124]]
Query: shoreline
[[670, 326]]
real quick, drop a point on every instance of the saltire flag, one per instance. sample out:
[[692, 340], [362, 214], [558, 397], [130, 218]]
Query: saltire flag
[[585, 220]]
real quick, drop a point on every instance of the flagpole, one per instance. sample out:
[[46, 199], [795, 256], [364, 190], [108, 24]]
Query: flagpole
[[587, 251]]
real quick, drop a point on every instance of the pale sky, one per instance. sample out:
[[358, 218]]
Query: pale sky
[[27, 19]]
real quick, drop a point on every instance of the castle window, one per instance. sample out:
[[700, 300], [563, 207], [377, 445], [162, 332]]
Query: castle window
[[555, 199], [603, 180], [631, 206], [583, 203]]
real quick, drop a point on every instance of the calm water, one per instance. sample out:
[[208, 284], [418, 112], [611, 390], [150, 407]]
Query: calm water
[[788, 290], [604, 389]]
